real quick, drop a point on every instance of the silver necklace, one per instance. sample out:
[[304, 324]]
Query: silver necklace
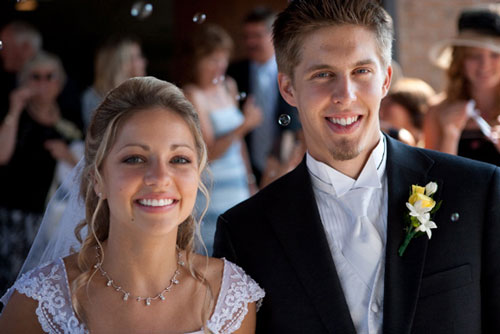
[[126, 295]]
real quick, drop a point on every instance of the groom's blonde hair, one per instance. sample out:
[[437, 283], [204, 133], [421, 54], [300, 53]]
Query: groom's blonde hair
[[303, 17]]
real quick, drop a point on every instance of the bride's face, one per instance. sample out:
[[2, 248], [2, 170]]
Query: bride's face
[[150, 176]]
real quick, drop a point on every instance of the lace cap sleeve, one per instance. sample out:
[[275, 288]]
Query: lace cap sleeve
[[48, 284], [236, 292]]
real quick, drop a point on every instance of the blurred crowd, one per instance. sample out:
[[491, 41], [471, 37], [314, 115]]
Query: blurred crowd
[[253, 136]]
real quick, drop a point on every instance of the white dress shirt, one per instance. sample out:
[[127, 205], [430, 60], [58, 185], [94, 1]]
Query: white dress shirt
[[364, 297]]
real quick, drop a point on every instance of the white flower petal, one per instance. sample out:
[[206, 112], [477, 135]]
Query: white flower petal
[[413, 211], [424, 218], [429, 233], [418, 207], [426, 227], [431, 188]]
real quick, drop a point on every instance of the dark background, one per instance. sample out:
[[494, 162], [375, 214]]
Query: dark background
[[73, 29]]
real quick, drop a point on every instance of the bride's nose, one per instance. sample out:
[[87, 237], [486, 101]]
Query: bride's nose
[[157, 174]]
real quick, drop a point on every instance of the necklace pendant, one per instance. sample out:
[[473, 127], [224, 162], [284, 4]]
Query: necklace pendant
[[162, 297], [175, 281], [125, 296], [148, 301], [109, 282]]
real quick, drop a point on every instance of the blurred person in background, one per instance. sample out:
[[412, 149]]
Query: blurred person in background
[[116, 61], [20, 43], [223, 125], [472, 63], [33, 138], [402, 111], [257, 76], [286, 154]]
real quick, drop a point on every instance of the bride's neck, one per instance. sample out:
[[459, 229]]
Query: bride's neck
[[142, 267]]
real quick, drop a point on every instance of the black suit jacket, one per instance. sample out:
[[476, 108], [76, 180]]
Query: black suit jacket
[[448, 284]]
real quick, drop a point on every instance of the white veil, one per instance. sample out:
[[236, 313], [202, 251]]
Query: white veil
[[56, 237]]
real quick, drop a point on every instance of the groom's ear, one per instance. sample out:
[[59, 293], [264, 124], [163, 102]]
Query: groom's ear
[[287, 90]]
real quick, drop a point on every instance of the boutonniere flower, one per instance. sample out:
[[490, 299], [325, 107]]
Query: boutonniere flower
[[421, 206]]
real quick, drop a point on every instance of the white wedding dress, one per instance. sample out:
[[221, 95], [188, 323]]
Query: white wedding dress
[[48, 284]]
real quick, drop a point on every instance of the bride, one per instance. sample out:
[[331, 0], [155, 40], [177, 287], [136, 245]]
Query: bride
[[135, 270]]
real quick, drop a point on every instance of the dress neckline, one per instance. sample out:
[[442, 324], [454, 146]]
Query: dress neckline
[[200, 331]]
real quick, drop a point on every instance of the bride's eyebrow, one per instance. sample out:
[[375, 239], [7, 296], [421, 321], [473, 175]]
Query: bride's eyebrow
[[143, 146], [148, 148], [176, 146]]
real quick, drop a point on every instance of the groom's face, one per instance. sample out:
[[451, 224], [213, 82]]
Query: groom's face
[[337, 87]]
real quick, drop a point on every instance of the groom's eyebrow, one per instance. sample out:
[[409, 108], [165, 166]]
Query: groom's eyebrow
[[363, 62]]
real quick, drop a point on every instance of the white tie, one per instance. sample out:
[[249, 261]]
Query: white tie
[[363, 246]]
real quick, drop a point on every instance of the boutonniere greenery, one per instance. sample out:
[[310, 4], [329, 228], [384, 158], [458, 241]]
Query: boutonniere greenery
[[421, 206]]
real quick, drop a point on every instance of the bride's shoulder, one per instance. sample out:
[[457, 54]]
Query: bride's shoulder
[[71, 267], [237, 294], [30, 281], [211, 268], [34, 292], [225, 276]]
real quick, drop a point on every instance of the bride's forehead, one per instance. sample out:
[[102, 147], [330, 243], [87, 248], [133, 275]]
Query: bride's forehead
[[153, 129]]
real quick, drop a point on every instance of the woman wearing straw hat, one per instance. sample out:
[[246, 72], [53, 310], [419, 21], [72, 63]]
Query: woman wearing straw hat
[[461, 123]]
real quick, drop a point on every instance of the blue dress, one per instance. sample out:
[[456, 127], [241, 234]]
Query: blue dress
[[227, 178]]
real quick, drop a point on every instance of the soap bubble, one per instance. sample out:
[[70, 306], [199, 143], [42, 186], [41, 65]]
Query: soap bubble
[[284, 119], [141, 10], [455, 217], [199, 18], [241, 96]]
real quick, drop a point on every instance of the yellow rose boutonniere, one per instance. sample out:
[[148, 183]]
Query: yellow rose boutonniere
[[421, 206]]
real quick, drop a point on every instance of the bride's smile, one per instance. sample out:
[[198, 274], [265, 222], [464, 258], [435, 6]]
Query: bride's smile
[[150, 177]]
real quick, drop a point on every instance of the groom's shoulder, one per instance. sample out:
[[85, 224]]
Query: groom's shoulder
[[273, 194], [448, 163], [442, 162]]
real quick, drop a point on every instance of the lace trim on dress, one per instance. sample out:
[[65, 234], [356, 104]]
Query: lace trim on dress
[[48, 284], [237, 290]]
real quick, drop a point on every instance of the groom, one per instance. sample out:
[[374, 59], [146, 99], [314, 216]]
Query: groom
[[324, 241]]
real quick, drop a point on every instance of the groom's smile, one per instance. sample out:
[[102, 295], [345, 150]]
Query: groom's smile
[[337, 87]]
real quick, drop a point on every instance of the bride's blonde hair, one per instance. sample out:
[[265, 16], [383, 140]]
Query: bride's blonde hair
[[136, 94]]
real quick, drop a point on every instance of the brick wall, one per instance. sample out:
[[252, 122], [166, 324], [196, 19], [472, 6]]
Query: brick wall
[[419, 24]]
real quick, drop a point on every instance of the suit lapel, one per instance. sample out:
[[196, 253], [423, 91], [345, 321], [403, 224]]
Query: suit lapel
[[403, 275], [301, 233]]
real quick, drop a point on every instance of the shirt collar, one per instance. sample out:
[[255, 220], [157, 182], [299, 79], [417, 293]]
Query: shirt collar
[[333, 181]]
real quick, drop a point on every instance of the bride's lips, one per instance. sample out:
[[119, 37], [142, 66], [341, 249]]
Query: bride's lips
[[156, 203]]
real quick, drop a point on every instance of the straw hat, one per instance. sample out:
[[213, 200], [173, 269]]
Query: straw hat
[[478, 26]]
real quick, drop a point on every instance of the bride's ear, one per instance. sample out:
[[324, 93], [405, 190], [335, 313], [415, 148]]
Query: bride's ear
[[98, 188]]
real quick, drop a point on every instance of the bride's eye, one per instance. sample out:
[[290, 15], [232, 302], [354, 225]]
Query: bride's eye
[[180, 160], [135, 159]]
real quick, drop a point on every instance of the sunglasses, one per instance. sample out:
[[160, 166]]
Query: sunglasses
[[43, 76]]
